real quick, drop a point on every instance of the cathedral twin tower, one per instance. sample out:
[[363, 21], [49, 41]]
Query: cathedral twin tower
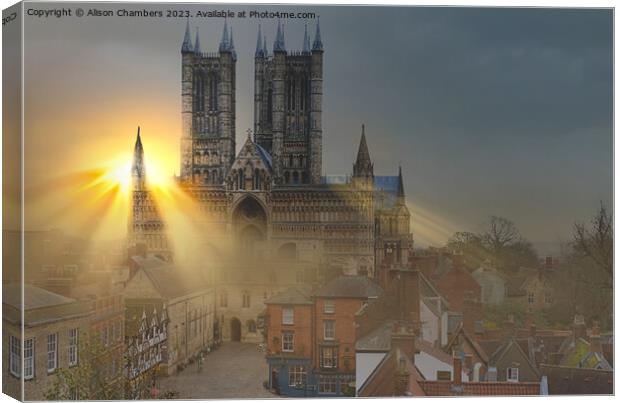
[[288, 90]]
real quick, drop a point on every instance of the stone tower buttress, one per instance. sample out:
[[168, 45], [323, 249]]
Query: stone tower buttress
[[316, 107], [279, 73], [187, 70]]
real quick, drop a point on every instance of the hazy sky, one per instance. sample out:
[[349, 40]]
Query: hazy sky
[[489, 111]]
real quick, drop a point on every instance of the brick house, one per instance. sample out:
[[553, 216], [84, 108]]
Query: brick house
[[288, 323], [311, 336], [336, 305]]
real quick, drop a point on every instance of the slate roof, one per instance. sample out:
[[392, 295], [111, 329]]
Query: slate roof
[[573, 381], [172, 282], [265, 156], [292, 296], [350, 287], [34, 297], [377, 340], [444, 388]]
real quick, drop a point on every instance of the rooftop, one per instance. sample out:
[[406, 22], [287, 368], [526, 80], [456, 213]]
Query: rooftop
[[350, 287], [34, 297]]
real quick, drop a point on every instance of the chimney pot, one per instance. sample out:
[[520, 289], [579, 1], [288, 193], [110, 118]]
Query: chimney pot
[[457, 371]]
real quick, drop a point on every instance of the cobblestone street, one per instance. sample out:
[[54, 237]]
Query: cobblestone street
[[235, 370]]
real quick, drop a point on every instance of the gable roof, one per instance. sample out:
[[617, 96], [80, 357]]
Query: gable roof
[[379, 382], [292, 296], [350, 287], [171, 282], [511, 345], [460, 330]]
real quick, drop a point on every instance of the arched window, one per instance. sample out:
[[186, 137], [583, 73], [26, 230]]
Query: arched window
[[295, 177], [251, 326], [287, 177]]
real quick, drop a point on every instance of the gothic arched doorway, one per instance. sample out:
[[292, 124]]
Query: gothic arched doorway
[[235, 329], [250, 226]]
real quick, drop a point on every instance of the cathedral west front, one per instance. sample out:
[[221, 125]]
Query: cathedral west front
[[271, 217]]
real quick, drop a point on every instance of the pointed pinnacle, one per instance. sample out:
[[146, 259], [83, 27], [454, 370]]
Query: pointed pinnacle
[[197, 43], [187, 42], [318, 43]]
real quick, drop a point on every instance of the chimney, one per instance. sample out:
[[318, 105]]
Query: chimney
[[579, 327], [403, 338], [457, 374], [549, 263], [472, 313], [401, 377], [509, 326], [595, 340]]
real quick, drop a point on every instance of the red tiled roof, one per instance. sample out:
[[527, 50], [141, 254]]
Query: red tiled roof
[[443, 388]]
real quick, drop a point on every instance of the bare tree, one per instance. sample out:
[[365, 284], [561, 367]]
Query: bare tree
[[597, 242]]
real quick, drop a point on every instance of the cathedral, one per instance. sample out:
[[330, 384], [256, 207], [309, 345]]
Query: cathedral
[[273, 217]]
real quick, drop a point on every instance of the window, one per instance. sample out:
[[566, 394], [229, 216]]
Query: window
[[296, 375], [328, 306], [512, 374], [15, 356], [327, 384], [52, 352], [73, 347], [288, 316], [224, 299], [288, 341], [329, 357], [329, 329], [548, 299], [246, 299], [29, 359], [251, 326], [530, 298]]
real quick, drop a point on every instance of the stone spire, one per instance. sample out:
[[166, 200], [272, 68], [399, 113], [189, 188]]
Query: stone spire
[[363, 165], [265, 45], [259, 44], [278, 44], [400, 194], [318, 44], [232, 45], [306, 45], [224, 43], [137, 168], [197, 43], [187, 42]]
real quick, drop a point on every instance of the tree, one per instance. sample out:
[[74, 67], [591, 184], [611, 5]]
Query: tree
[[89, 380], [500, 242], [597, 243]]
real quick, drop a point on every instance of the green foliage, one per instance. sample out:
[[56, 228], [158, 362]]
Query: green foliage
[[85, 380]]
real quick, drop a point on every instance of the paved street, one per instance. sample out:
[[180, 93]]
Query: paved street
[[235, 370]]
